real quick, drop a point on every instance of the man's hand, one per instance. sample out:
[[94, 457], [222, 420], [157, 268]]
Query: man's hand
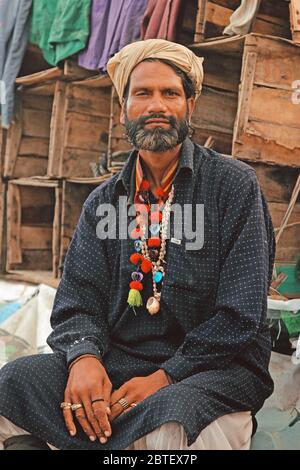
[[136, 390], [89, 381]]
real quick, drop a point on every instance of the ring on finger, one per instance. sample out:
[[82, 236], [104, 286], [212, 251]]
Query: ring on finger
[[66, 405], [76, 406]]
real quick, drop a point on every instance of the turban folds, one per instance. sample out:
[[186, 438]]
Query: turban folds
[[122, 64]]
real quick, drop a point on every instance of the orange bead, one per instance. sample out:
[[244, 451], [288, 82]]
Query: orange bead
[[146, 266], [136, 258], [154, 242], [136, 285]]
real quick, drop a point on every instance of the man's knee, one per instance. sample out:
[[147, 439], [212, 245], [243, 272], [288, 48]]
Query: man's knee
[[167, 436]]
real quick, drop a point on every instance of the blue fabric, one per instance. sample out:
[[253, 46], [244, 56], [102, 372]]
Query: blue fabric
[[14, 25], [7, 310], [210, 335]]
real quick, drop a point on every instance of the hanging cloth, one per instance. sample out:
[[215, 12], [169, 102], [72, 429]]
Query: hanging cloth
[[161, 19], [60, 28], [242, 19], [14, 20], [114, 25]]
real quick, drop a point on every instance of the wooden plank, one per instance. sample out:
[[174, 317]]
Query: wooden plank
[[56, 231], [295, 20], [86, 132], [14, 254], [13, 140], [40, 260], [77, 162], [277, 182], [38, 102], [244, 101], [221, 73], [57, 129], [30, 165], [39, 77], [94, 102], [73, 71], [34, 146], [200, 20], [3, 218], [288, 247], [36, 123], [36, 238], [215, 111], [33, 277]]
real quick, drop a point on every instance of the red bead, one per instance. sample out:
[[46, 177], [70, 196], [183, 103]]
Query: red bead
[[154, 242], [159, 192], [145, 185], [136, 285], [146, 266], [155, 217], [136, 258], [136, 233]]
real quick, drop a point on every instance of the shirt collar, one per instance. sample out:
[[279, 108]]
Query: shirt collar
[[127, 174]]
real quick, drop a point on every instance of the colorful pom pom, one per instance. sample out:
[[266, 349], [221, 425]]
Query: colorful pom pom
[[136, 258], [136, 285], [146, 266], [155, 217], [154, 242], [159, 192], [134, 298]]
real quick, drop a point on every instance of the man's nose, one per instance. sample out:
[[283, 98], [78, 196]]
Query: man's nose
[[157, 105]]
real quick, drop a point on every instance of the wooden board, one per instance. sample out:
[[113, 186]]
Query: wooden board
[[288, 248], [277, 182], [79, 129], [27, 146], [214, 15], [295, 20], [33, 225], [267, 126]]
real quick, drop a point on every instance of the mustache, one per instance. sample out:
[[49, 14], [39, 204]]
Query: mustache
[[142, 120]]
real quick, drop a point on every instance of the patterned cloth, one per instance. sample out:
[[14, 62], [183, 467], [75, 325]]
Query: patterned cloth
[[210, 334]]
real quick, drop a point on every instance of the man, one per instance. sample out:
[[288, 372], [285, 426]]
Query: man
[[163, 346]]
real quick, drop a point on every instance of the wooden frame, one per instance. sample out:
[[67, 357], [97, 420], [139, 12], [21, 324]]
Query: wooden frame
[[246, 104], [295, 20], [74, 193], [214, 15], [33, 225]]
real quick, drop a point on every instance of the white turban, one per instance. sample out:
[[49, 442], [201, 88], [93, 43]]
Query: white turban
[[122, 64]]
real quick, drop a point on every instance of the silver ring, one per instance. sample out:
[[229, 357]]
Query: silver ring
[[124, 403]]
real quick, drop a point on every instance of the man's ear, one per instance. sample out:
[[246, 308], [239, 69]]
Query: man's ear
[[191, 102], [122, 115]]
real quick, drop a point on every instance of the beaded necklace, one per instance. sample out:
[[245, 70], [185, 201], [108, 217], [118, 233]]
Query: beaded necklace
[[150, 253]]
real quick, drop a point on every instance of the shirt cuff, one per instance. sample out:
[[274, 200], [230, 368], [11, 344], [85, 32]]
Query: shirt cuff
[[177, 368], [80, 348]]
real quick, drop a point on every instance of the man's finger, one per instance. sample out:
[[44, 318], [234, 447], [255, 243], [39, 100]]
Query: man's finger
[[92, 419], [68, 417], [87, 428]]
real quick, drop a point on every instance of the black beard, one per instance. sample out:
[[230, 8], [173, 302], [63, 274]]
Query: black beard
[[157, 139]]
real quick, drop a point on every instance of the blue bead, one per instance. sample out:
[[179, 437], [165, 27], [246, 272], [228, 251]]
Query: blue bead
[[158, 276], [154, 229], [138, 245]]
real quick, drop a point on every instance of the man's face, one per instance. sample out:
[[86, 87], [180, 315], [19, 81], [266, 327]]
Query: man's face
[[156, 113]]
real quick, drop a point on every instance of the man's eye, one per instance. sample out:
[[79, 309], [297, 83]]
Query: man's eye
[[141, 93], [171, 93]]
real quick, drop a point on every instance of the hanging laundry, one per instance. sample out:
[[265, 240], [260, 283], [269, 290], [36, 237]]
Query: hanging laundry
[[114, 24], [14, 21], [60, 28], [243, 18], [161, 19]]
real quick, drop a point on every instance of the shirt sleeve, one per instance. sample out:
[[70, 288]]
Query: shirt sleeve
[[79, 315], [247, 257]]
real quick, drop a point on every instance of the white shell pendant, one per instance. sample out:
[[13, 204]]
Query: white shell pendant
[[153, 305]]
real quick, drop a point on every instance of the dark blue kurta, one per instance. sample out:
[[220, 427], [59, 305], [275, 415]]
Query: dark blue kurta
[[210, 335]]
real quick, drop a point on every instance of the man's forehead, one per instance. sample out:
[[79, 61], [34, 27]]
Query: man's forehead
[[161, 73]]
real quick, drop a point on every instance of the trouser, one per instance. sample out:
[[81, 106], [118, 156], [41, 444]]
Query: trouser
[[229, 432]]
